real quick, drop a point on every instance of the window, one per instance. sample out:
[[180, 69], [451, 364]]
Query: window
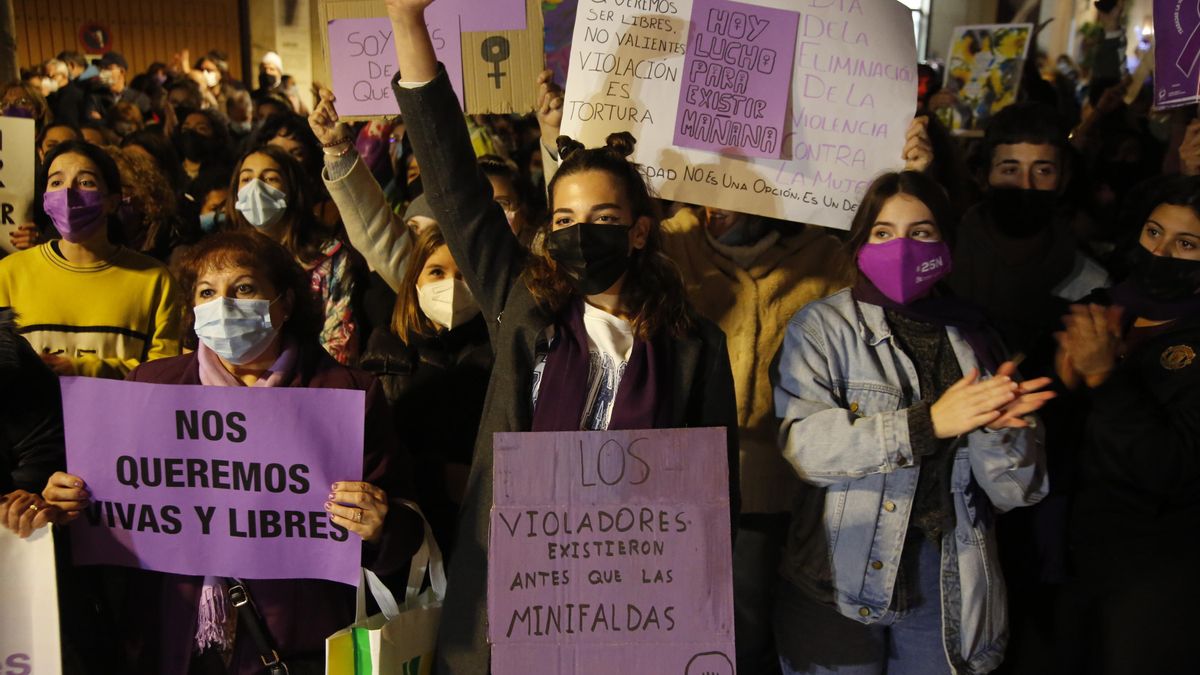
[[920, 17]]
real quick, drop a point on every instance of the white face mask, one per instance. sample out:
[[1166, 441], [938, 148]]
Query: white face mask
[[49, 85], [261, 204], [235, 329], [448, 302], [211, 78]]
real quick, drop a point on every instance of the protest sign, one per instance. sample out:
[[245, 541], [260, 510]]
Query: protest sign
[[852, 96], [221, 481], [29, 639], [492, 57], [610, 552], [984, 71], [17, 159], [736, 76], [1177, 53]]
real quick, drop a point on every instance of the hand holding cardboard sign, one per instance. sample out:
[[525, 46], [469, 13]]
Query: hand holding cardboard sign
[[360, 508], [918, 149]]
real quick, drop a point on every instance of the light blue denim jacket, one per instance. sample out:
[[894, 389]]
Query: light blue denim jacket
[[842, 387]]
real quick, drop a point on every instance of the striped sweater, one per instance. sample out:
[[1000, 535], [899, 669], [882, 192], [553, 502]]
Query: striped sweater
[[106, 317]]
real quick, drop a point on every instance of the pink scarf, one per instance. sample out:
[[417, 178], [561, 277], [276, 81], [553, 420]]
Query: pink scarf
[[216, 623]]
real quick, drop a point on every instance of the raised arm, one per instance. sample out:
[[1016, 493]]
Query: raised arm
[[474, 226]]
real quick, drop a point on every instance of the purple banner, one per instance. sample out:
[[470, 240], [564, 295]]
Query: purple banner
[[737, 79], [362, 60], [610, 553], [500, 15], [1176, 53], [222, 481]]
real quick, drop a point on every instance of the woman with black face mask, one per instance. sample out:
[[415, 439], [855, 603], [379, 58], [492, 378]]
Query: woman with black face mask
[[1138, 507], [594, 333]]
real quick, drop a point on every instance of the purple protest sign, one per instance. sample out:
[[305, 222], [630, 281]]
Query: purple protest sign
[[738, 74], [610, 553], [221, 481], [362, 60], [500, 15], [1176, 53]]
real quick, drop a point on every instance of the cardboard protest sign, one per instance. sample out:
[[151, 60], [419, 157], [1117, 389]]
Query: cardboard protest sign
[[984, 70], [559, 16], [17, 158], [1177, 53], [29, 638], [610, 552], [492, 57], [221, 481], [737, 72], [853, 89]]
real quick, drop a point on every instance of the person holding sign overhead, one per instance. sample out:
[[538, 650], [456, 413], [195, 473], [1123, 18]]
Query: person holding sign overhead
[[258, 326], [88, 306], [592, 333], [909, 434]]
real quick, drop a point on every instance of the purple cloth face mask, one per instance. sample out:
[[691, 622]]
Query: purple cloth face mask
[[77, 214], [905, 269]]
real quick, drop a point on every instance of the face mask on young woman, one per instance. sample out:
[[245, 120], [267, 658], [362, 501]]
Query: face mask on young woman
[[260, 204], [209, 222], [236, 329], [448, 302], [1164, 279], [211, 78], [592, 256], [77, 214], [905, 269]]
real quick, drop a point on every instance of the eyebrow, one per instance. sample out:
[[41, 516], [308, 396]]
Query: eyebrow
[[598, 207], [916, 224]]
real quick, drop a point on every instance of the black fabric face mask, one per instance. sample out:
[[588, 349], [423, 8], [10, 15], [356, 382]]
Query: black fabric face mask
[[591, 256], [1164, 279], [193, 146], [1020, 213], [266, 81]]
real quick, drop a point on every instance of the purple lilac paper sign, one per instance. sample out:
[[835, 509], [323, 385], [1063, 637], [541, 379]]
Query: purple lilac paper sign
[[1177, 53], [498, 15], [362, 60], [221, 481], [737, 79], [610, 553]]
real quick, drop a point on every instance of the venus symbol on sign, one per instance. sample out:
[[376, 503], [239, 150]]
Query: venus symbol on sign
[[495, 50]]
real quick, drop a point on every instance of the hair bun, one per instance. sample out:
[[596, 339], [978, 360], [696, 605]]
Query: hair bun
[[621, 143], [567, 146]]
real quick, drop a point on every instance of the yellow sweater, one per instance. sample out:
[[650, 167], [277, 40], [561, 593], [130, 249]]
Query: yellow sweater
[[752, 299], [106, 317]]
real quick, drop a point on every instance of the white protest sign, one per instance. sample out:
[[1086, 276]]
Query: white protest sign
[[29, 638], [853, 95], [16, 175]]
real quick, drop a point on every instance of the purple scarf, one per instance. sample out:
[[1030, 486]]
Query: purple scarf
[[216, 622], [642, 400], [945, 311]]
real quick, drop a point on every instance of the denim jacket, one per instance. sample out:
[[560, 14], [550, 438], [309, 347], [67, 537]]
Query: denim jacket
[[842, 387]]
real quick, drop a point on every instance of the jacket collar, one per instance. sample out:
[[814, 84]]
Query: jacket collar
[[872, 325]]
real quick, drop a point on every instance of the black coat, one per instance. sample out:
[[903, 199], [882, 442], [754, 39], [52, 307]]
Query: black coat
[[436, 387], [31, 422], [492, 260]]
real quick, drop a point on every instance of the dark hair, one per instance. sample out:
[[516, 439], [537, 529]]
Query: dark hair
[[653, 292], [304, 236], [296, 128], [163, 153], [912, 183], [72, 58], [248, 249], [194, 98], [108, 172], [222, 142], [495, 166], [1173, 190], [271, 98], [1029, 122], [408, 321], [55, 125], [110, 136]]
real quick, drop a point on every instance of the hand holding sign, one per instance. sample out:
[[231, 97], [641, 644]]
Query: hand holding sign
[[23, 512], [918, 149], [68, 494], [360, 508]]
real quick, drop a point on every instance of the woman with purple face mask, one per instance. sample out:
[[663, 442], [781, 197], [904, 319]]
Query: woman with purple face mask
[[909, 435]]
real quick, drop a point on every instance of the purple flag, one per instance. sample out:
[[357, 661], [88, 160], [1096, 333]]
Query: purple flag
[[610, 553], [221, 481], [1176, 53], [737, 79]]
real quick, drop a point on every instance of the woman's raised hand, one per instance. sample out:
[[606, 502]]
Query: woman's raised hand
[[403, 9], [325, 123], [549, 107], [970, 404], [359, 507], [1091, 343]]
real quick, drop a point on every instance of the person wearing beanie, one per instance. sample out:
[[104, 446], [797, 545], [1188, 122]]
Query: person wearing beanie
[[270, 74]]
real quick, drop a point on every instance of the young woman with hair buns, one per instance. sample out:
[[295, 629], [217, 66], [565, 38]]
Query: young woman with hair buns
[[592, 333]]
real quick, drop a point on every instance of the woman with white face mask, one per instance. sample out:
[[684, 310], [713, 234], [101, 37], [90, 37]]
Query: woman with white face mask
[[257, 326], [436, 352], [269, 194]]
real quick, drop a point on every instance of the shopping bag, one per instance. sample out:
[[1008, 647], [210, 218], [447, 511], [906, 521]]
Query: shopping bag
[[29, 637], [400, 639]]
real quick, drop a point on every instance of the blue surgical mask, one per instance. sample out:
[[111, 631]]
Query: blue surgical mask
[[209, 222], [261, 204], [235, 329]]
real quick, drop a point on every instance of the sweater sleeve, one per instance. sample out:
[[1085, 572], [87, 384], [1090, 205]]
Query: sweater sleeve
[[165, 321], [476, 230], [373, 229]]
